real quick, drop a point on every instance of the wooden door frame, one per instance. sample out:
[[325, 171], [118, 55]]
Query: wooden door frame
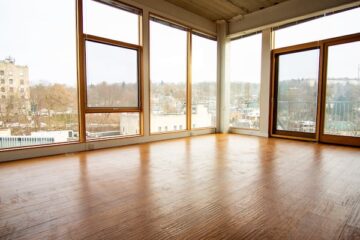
[[319, 135], [274, 95]]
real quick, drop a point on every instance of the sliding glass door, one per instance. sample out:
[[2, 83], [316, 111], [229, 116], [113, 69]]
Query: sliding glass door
[[296, 93], [316, 91]]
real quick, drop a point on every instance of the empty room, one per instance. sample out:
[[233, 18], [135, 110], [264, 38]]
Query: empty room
[[179, 119]]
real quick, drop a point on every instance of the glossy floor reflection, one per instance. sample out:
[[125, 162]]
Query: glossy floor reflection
[[206, 187]]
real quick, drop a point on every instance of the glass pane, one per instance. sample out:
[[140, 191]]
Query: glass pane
[[103, 125], [204, 75], [335, 25], [297, 91], [342, 113], [245, 77], [168, 48], [38, 76], [112, 76], [110, 22]]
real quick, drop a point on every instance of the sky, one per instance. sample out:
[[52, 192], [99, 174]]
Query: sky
[[41, 34], [307, 65], [168, 51], [204, 56], [344, 55], [245, 59], [102, 20], [116, 64]]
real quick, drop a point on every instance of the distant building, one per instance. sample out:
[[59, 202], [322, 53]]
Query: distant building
[[14, 87], [129, 123]]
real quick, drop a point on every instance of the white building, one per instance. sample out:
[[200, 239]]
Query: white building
[[129, 123]]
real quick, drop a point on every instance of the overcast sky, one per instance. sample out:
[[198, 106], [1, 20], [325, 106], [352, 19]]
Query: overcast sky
[[41, 34]]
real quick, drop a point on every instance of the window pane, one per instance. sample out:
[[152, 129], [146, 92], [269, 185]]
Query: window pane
[[297, 91], [342, 114], [38, 77], [204, 70], [112, 76], [110, 22], [245, 77], [103, 125], [335, 25], [168, 78]]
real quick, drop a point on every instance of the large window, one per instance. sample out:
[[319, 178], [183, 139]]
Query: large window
[[38, 73], [112, 53], [168, 74], [204, 75], [245, 76], [334, 25]]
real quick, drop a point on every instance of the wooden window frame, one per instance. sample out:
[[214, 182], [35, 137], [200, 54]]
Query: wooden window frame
[[82, 38], [123, 45], [189, 31], [319, 135], [328, 138], [274, 90]]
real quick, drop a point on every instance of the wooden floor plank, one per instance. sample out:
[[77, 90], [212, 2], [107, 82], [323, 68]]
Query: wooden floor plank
[[221, 186]]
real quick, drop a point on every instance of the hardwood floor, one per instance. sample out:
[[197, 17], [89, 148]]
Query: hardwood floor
[[206, 187]]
